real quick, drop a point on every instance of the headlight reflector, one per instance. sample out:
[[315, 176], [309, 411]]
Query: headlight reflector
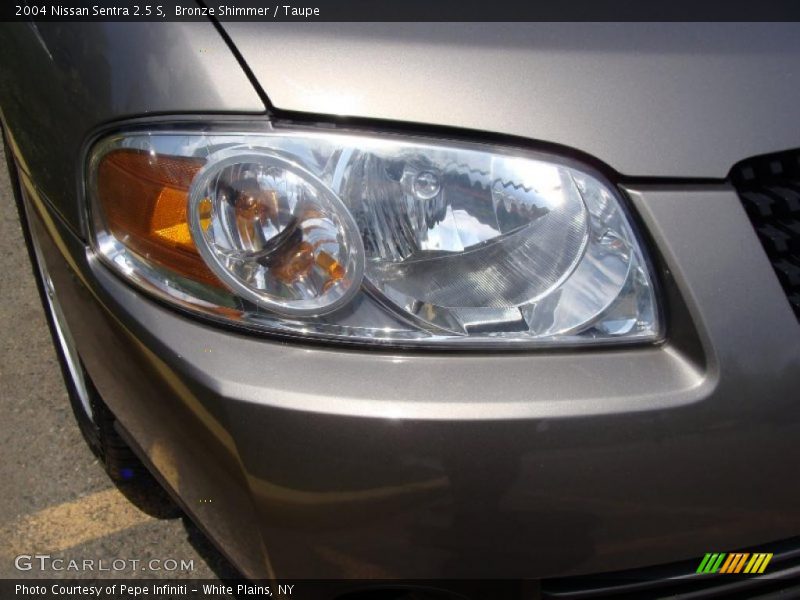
[[274, 233], [366, 238]]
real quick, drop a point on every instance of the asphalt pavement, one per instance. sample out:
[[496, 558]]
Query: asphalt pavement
[[55, 498]]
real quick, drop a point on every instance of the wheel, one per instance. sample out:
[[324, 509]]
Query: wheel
[[95, 420]]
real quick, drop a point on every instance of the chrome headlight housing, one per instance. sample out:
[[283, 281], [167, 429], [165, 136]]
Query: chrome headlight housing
[[372, 238]]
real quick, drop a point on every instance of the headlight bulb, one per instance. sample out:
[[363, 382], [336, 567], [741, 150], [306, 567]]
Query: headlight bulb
[[274, 233]]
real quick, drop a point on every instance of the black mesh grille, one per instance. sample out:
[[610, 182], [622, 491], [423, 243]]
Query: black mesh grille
[[769, 187]]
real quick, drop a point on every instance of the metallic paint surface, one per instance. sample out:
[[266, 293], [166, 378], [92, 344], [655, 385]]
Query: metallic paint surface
[[649, 99], [60, 81]]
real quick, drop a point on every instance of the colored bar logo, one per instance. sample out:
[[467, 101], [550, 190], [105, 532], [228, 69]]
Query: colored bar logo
[[735, 562]]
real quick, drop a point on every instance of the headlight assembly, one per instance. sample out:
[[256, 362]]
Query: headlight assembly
[[370, 238]]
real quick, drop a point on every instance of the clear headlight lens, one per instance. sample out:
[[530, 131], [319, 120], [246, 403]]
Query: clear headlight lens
[[274, 233], [366, 238]]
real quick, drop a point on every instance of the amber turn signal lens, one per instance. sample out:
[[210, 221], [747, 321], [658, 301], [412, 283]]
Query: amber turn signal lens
[[144, 200]]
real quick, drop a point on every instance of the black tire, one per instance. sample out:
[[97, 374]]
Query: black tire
[[119, 460], [99, 429]]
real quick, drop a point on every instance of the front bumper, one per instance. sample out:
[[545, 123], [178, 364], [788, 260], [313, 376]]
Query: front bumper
[[311, 461]]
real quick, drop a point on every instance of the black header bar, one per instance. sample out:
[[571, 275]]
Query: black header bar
[[399, 10]]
